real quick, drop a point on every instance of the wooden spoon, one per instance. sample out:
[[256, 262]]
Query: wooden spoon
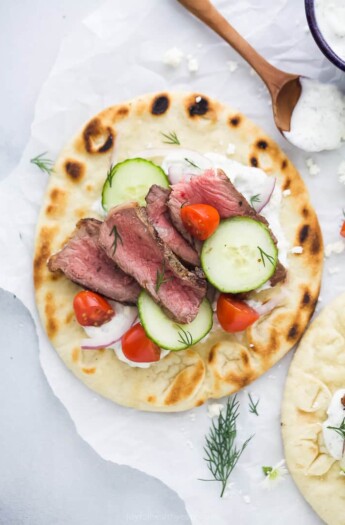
[[285, 88]]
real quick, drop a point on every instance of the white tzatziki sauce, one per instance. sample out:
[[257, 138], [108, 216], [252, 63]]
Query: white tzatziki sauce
[[330, 18], [336, 414], [318, 120], [251, 181], [124, 318]]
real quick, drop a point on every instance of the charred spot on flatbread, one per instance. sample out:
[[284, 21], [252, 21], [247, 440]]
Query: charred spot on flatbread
[[57, 204], [284, 164], [305, 212], [98, 138], [43, 252], [75, 170], [287, 183], [122, 111], [160, 105], [52, 323], [262, 144], [254, 161], [303, 233], [235, 121], [293, 331], [75, 354], [316, 244], [199, 106], [186, 383], [306, 298], [89, 370]]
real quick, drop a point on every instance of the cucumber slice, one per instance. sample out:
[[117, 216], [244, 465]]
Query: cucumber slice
[[131, 180], [168, 334], [240, 256]]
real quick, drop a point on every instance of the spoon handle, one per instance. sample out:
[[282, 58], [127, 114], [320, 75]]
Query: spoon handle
[[207, 13]]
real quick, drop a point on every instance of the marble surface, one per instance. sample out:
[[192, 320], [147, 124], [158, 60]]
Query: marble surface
[[49, 475]]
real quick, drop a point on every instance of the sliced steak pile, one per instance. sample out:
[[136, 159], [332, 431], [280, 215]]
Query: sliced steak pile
[[83, 261], [158, 213], [214, 188], [128, 237]]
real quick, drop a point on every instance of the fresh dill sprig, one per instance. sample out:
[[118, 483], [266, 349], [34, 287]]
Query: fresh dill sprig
[[160, 278], [191, 163], [117, 236], [43, 163], [110, 173], [253, 407], [254, 199], [263, 254], [171, 138], [186, 337], [267, 470], [340, 430], [221, 451]]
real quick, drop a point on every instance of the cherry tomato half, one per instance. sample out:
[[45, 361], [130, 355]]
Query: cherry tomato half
[[201, 220], [138, 347], [342, 231], [234, 315], [92, 309]]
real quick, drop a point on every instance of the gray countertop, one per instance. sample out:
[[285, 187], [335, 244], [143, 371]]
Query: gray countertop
[[49, 475]]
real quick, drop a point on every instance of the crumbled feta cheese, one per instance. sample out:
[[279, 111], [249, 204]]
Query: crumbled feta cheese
[[232, 65], [334, 247], [193, 65], [341, 172], [246, 498], [189, 443], [230, 150], [313, 168], [214, 409], [333, 270], [286, 193], [297, 249], [173, 57]]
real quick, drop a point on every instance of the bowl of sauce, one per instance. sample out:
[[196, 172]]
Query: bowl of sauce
[[326, 19]]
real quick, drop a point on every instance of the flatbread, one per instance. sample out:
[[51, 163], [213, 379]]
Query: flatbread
[[316, 372], [223, 363]]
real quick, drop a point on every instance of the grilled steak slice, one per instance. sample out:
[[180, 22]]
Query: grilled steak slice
[[128, 237], [215, 189], [279, 275], [158, 213], [84, 262]]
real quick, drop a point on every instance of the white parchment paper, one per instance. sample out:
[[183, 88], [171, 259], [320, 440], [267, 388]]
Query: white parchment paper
[[113, 55]]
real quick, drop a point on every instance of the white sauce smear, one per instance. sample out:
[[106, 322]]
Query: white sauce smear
[[336, 413], [318, 120], [330, 17]]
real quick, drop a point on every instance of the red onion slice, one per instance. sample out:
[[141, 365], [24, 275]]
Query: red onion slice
[[266, 194]]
